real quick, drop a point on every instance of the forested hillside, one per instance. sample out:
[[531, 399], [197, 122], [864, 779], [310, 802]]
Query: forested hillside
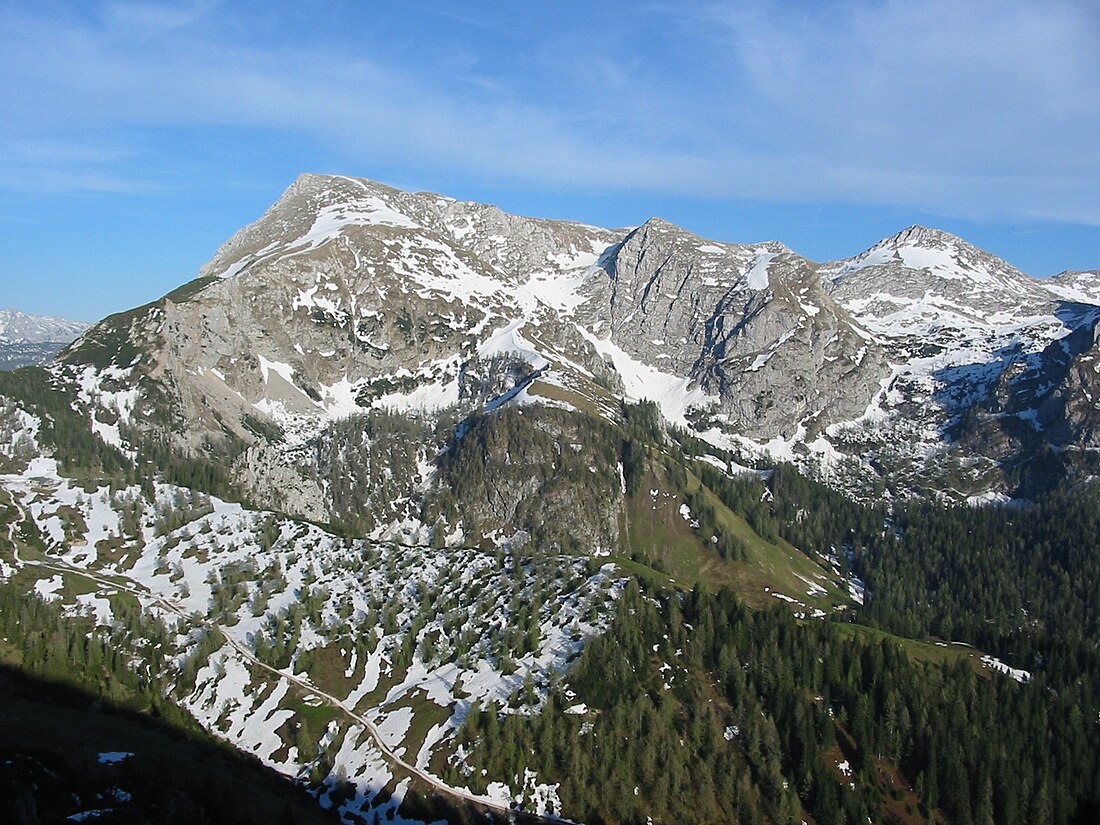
[[1018, 580], [738, 677], [693, 708]]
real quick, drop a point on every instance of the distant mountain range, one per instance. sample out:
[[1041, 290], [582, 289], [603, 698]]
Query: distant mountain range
[[33, 339]]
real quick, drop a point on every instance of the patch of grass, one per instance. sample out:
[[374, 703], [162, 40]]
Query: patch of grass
[[775, 565], [312, 710], [110, 551], [657, 532], [23, 534], [311, 719], [76, 585], [72, 522], [662, 538], [426, 714], [650, 574], [27, 576], [573, 398], [386, 682], [121, 602], [918, 651], [188, 290], [326, 667], [581, 391]]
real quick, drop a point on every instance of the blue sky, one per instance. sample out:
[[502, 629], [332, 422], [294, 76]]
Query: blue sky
[[138, 136]]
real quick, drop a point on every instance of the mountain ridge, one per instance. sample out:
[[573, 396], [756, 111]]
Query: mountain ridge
[[17, 326], [347, 294], [27, 339]]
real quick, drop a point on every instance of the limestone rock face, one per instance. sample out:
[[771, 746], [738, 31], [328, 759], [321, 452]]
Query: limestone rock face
[[973, 344], [1080, 395], [907, 362], [750, 325]]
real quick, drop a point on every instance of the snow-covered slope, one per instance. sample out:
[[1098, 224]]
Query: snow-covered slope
[[369, 358], [33, 339], [23, 328], [969, 339], [348, 294], [1082, 287], [277, 623]]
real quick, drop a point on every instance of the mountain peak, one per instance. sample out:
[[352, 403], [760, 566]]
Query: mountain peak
[[1076, 285], [660, 224], [661, 227], [917, 235], [349, 293], [33, 339], [943, 256], [313, 208]]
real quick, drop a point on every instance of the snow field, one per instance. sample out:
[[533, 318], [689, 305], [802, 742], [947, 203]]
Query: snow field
[[266, 580]]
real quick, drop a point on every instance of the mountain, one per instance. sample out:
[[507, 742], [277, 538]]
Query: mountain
[[975, 347], [917, 365], [446, 513], [21, 327], [33, 339]]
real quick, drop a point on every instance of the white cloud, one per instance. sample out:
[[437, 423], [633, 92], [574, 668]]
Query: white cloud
[[984, 107], [979, 108], [146, 17]]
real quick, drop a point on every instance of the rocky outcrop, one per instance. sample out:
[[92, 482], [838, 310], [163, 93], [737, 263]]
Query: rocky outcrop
[[751, 325]]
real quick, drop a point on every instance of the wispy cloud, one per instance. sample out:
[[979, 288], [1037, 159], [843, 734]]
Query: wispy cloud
[[147, 17], [61, 151], [979, 108]]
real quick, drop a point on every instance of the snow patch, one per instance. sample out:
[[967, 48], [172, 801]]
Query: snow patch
[[757, 276], [114, 757], [1021, 676]]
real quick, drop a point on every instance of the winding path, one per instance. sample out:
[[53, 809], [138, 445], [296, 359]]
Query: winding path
[[246, 655]]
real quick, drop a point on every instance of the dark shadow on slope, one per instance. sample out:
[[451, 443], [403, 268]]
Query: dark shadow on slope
[[52, 736], [1012, 409]]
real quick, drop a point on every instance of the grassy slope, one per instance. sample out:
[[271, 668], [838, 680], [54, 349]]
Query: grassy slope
[[656, 530]]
